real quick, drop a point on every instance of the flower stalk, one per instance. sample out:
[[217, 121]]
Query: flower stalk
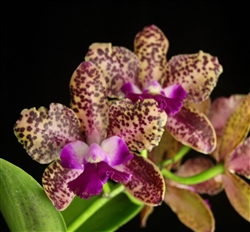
[[180, 154], [196, 179], [94, 207]]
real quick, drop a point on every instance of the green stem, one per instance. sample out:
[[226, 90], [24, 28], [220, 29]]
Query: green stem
[[196, 179], [144, 153], [93, 208], [106, 189], [179, 155]]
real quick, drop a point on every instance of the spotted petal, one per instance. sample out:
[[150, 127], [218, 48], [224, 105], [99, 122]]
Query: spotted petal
[[190, 208], [55, 180], [238, 192], [240, 160], [197, 73], [117, 64], [146, 183], [193, 129], [195, 166], [236, 129], [221, 109], [151, 46], [44, 133], [140, 125], [89, 101]]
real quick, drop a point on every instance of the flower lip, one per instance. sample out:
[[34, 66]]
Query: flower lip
[[168, 99], [97, 162], [90, 182], [96, 154]]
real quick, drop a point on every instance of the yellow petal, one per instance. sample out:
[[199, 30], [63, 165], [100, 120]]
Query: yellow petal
[[238, 193], [236, 129], [190, 208], [151, 46], [197, 73]]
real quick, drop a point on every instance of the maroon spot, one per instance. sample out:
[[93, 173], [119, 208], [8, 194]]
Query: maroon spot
[[150, 118], [30, 120], [21, 135], [100, 51]]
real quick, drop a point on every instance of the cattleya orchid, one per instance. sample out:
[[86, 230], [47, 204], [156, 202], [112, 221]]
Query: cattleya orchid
[[231, 120], [175, 85], [94, 141]]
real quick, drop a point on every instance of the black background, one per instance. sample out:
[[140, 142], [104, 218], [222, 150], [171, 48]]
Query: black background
[[43, 42]]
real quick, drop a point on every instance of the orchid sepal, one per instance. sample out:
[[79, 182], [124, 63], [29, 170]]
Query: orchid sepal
[[193, 129], [190, 208], [89, 101], [197, 73]]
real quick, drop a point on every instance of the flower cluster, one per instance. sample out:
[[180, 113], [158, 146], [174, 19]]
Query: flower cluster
[[97, 139]]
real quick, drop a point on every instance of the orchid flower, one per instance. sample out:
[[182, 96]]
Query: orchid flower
[[94, 141], [174, 85], [231, 120]]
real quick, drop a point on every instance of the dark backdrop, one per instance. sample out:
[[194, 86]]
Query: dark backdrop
[[43, 42]]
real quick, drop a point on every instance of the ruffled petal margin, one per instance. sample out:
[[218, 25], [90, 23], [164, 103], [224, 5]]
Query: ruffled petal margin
[[44, 133], [95, 175], [196, 73]]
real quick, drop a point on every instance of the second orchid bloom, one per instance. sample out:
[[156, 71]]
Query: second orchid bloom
[[185, 79]]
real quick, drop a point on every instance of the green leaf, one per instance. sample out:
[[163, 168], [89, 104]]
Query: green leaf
[[24, 204], [114, 213]]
